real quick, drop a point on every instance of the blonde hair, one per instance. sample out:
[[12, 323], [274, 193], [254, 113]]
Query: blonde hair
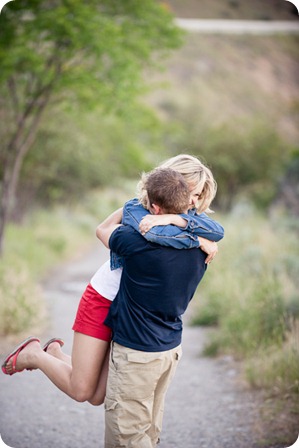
[[196, 174]]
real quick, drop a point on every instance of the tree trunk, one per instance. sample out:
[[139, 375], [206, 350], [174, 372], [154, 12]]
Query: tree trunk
[[16, 152], [4, 208]]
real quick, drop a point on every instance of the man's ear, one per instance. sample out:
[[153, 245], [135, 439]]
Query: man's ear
[[156, 209]]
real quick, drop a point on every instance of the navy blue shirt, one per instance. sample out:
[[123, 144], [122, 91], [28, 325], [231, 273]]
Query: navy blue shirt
[[156, 286]]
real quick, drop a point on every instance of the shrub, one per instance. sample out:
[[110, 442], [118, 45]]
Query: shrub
[[45, 238], [277, 368], [21, 304], [251, 294]]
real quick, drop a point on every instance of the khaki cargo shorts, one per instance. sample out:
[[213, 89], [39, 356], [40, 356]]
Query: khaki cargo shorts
[[136, 388]]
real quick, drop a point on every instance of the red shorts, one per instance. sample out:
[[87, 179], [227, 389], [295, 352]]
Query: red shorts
[[91, 314]]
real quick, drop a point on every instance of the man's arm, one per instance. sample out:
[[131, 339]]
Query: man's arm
[[107, 227]]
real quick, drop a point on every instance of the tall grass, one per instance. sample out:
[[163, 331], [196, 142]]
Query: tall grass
[[45, 238], [250, 295]]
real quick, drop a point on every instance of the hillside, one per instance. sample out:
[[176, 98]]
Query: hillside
[[233, 9], [223, 77], [226, 94]]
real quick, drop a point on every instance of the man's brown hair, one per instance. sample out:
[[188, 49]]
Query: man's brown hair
[[167, 189]]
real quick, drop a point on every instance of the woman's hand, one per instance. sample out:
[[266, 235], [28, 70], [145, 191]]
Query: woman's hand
[[149, 221], [209, 247]]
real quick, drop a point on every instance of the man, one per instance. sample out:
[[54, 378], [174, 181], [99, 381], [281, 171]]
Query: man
[[156, 286]]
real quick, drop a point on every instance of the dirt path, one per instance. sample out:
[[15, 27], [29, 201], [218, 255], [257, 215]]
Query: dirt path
[[255, 27], [207, 405]]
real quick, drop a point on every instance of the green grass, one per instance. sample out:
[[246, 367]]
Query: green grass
[[250, 295], [46, 238]]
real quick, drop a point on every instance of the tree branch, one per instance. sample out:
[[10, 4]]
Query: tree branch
[[14, 97], [27, 142], [16, 139]]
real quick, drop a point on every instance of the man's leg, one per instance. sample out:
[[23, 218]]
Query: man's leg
[[132, 380], [170, 364]]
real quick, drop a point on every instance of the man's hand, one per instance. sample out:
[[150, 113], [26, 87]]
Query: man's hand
[[209, 247]]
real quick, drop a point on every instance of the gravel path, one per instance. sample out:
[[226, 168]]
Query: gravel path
[[207, 405]]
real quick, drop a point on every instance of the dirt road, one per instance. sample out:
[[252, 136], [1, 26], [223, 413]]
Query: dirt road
[[255, 27], [207, 405]]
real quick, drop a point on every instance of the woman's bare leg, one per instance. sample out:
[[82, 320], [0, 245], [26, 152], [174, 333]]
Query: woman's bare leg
[[81, 380], [54, 349], [100, 393], [90, 367]]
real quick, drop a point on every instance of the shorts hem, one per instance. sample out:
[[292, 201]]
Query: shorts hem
[[94, 333]]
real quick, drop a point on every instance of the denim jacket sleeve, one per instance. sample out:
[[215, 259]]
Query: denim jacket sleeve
[[202, 225], [171, 235]]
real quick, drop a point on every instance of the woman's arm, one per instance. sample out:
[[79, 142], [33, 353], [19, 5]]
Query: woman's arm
[[199, 225], [105, 229], [150, 221], [166, 235], [132, 216], [210, 248]]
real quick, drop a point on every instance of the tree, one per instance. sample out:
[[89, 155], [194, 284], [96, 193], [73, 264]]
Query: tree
[[93, 52]]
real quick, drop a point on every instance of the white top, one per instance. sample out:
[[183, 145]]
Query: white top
[[106, 282]]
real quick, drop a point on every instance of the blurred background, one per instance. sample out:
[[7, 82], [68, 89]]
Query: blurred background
[[92, 94]]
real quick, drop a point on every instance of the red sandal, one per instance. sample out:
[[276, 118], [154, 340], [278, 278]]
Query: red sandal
[[14, 355], [50, 341]]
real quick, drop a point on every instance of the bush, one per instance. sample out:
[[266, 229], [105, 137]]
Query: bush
[[21, 304], [252, 297], [277, 368], [45, 238]]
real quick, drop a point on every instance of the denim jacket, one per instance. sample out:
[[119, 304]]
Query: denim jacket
[[170, 235]]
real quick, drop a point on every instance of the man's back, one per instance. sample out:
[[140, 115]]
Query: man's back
[[156, 286]]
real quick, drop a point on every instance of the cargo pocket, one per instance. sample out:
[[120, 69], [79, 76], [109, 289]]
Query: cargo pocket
[[110, 405], [140, 374], [112, 423]]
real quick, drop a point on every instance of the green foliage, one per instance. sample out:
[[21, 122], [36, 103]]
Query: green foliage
[[91, 54], [20, 306], [277, 369], [85, 56], [76, 153], [234, 102], [252, 298], [288, 191], [94, 49], [46, 238], [35, 243], [257, 322], [248, 158]]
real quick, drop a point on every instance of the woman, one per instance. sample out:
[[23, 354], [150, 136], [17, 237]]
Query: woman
[[83, 375]]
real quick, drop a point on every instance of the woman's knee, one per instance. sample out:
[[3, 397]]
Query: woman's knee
[[82, 393], [96, 401]]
